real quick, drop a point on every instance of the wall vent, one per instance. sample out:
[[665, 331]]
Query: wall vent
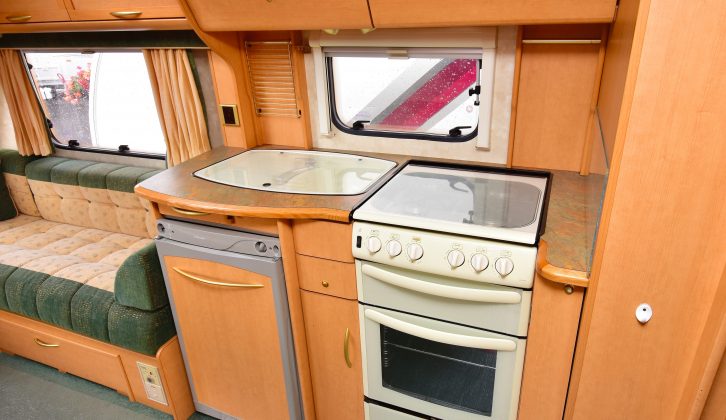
[[272, 78]]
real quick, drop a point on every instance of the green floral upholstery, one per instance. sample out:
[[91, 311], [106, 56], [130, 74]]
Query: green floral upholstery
[[82, 266], [7, 208]]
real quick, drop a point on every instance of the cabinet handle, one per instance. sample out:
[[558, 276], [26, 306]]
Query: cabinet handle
[[16, 19], [346, 348], [325, 283], [215, 283], [44, 344], [189, 212], [126, 15]]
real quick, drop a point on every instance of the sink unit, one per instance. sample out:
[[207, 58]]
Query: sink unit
[[298, 172]]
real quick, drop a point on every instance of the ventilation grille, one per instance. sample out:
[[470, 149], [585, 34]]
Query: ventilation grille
[[271, 76]]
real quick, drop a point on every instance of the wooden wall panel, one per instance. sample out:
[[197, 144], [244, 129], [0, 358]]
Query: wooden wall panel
[[225, 88], [663, 236], [555, 91], [617, 57], [715, 408]]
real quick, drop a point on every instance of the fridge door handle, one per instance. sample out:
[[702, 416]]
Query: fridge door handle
[[484, 343], [451, 292]]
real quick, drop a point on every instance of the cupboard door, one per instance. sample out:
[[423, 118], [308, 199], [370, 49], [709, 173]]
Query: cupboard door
[[433, 13], [261, 15], [230, 338], [28, 11], [123, 9], [331, 327]]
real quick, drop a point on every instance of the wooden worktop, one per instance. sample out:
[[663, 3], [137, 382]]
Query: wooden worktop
[[564, 252], [177, 187]]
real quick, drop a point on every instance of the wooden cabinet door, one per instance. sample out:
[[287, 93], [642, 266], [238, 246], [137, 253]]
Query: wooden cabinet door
[[230, 338], [27, 11], [123, 9], [262, 15], [337, 387], [437, 13]]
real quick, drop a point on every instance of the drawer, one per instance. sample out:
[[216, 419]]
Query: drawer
[[322, 239], [68, 356], [252, 224], [328, 277], [124, 9]]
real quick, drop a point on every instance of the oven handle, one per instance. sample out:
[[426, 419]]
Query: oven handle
[[451, 292], [498, 344]]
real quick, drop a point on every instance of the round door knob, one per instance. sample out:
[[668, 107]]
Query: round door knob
[[374, 244], [479, 262], [504, 266], [456, 258], [414, 251], [394, 248]]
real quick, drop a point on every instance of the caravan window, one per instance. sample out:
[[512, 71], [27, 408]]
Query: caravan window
[[408, 93], [98, 100]]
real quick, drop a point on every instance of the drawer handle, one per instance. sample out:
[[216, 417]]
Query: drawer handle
[[346, 348], [215, 283], [325, 283], [126, 14], [189, 212], [16, 19], [44, 344]]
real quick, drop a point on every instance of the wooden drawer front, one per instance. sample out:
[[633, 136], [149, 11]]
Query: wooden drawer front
[[253, 224], [321, 239], [103, 9], [436, 13], [67, 356], [328, 277], [261, 15], [28, 11]]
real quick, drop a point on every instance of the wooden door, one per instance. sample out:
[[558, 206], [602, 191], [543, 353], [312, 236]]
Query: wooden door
[[337, 387], [123, 9], [28, 11], [230, 338], [265, 15], [437, 13]]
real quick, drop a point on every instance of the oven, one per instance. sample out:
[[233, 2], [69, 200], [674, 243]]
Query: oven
[[445, 259], [440, 347]]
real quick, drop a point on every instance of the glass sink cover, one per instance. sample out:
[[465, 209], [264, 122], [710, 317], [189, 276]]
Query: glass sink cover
[[298, 172]]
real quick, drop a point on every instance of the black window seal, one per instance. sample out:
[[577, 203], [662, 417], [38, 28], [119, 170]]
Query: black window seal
[[57, 143], [380, 133]]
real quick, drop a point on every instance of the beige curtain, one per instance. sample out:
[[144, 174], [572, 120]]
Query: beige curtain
[[178, 103], [28, 120]]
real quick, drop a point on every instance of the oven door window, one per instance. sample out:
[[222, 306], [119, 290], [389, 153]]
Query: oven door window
[[453, 376]]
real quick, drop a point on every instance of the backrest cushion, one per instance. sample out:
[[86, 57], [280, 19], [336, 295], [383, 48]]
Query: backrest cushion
[[91, 194], [7, 208], [13, 171]]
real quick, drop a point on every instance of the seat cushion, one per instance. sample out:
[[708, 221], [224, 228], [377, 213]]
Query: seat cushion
[[65, 275], [7, 209]]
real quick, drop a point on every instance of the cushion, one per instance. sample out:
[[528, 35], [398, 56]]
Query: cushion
[[139, 281], [7, 208], [66, 275], [91, 194]]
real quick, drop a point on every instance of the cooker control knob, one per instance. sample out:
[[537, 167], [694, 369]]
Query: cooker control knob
[[456, 258], [415, 251], [479, 262], [504, 266], [394, 248], [374, 244]]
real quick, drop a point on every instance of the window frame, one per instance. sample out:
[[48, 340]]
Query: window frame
[[51, 135], [338, 123]]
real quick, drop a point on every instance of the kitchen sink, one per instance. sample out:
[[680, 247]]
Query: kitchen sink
[[298, 172]]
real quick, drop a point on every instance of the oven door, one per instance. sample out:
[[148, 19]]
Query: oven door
[[440, 369]]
